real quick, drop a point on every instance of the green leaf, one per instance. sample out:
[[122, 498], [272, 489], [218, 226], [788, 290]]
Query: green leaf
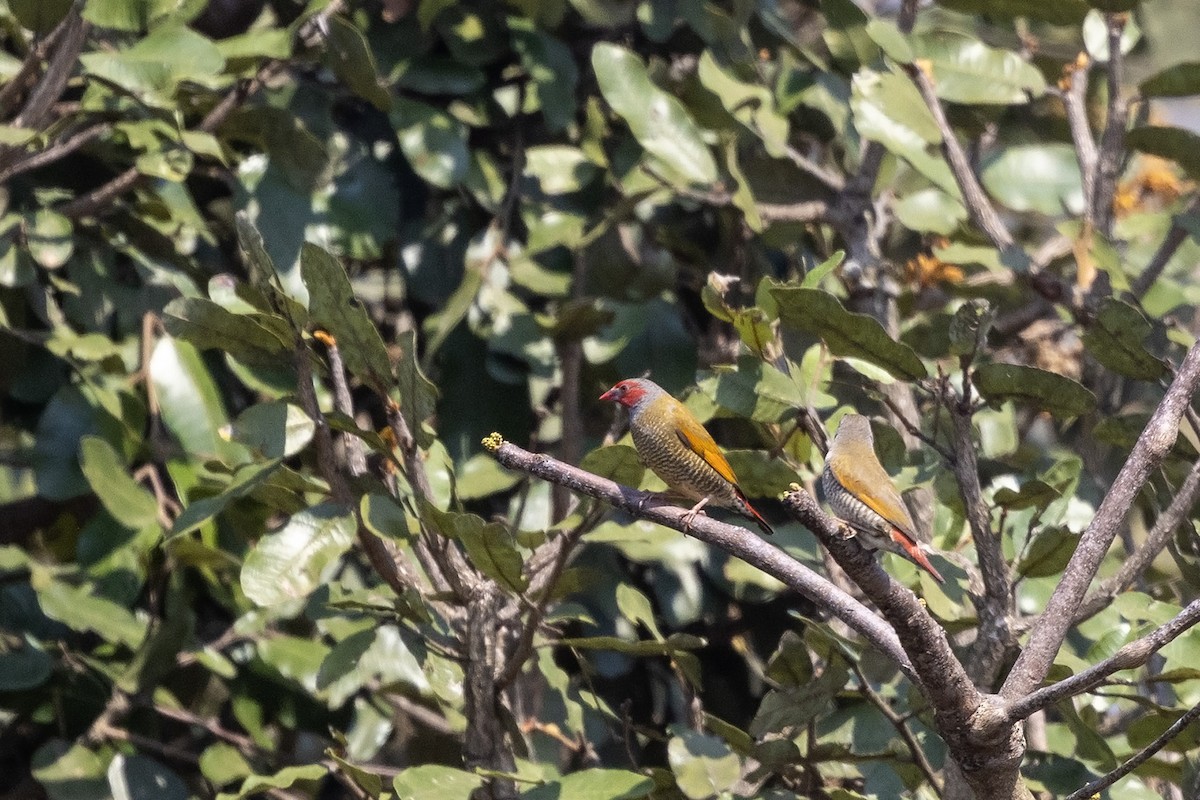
[[1059, 12], [1115, 338], [551, 64], [888, 109], [969, 327], [245, 480], [1177, 80], [434, 143], [636, 608], [188, 400], [347, 53], [333, 306], [594, 784], [559, 168], [49, 236], [1048, 391], [39, 16], [435, 782], [24, 665], [383, 517], [418, 394], [274, 430], [67, 418], [260, 340], [891, 40], [676, 642], [814, 276], [750, 103], [122, 496], [703, 764], [846, 333], [846, 33], [930, 210], [283, 779], [304, 554], [488, 544], [79, 609], [156, 64], [139, 777], [965, 70], [1042, 178], [1179, 145], [755, 390], [660, 123]]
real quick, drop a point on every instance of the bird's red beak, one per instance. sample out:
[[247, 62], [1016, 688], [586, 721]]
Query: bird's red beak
[[611, 394]]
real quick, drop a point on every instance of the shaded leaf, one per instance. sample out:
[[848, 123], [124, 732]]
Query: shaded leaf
[[1043, 178], [1115, 339], [139, 777], [1177, 80], [334, 307], [594, 784], [1048, 391], [435, 782], [488, 544], [1179, 145]]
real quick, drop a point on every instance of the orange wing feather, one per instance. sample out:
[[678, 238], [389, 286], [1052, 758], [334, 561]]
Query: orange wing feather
[[871, 484], [697, 439]]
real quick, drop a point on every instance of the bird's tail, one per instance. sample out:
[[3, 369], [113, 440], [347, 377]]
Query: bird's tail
[[750, 512], [914, 552]]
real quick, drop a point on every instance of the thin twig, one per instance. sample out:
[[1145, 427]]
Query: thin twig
[[898, 722], [40, 103], [1176, 236], [33, 61], [60, 148], [1148, 452], [995, 639], [1094, 788], [831, 179]]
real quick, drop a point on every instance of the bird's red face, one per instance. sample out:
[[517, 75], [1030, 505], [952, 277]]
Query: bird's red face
[[627, 393]]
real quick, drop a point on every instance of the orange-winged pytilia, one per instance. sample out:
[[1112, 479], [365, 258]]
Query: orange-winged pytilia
[[673, 443], [861, 492]]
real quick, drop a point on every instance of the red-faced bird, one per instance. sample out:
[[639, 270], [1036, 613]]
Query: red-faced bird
[[861, 492], [677, 448]]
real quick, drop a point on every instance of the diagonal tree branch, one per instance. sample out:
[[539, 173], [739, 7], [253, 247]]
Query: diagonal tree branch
[[978, 205], [1151, 448], [1073, 91], [730, 538], [1156, 540], [1132, 655]]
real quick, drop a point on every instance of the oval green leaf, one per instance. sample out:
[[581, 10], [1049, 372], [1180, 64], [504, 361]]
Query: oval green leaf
[[1048, 391]]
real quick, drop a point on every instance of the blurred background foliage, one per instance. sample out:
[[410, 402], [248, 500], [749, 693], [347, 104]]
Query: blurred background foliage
[[530, 201]]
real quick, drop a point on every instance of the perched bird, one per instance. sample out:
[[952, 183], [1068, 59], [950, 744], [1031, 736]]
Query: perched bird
[[861, 492], [672, 443]]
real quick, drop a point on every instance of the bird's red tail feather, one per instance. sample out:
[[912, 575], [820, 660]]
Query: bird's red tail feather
[[915, 552]]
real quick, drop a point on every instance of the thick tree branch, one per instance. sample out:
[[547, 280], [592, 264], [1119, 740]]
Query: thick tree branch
[[1094, 788], [1137, 562], [1151, 448], [32, 63], [1132, 655], [46, 93], [735, 540]]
